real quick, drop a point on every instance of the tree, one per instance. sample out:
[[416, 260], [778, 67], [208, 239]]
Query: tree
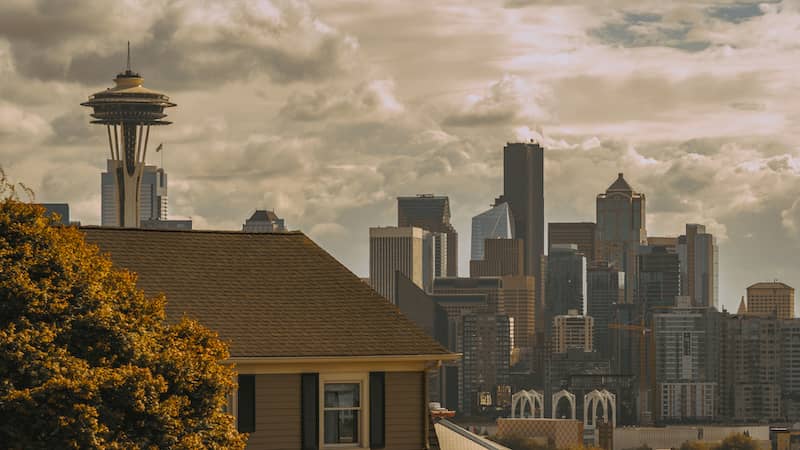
[[695, 445], [86, 360], [738, 441]]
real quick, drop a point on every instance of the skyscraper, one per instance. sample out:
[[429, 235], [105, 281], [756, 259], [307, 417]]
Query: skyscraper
[[501, 257], [771, 298], [399, 249], [566, 281], [432, 213], [494, 223], [699, 265], [687, 357], [152, 195], [263, 221], [659, 277], [582, 234], [621, 228], [605, 289], [128, 110], [523, 189]]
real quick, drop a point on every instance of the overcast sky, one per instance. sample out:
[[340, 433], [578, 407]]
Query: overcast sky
[[327, 110]]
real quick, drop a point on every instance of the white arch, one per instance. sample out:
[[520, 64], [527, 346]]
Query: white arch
[[597, 398], [537, 398], [522, 397], [570, 398]]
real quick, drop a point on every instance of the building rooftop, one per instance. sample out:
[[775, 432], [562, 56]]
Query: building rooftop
[[770, 285], [266, 294], [620, 185]]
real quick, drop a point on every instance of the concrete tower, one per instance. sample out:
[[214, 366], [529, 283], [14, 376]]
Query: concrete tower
[[128, 110]]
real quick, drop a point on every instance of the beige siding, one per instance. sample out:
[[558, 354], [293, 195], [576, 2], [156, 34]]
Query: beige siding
[[405, 410], [277, 413]]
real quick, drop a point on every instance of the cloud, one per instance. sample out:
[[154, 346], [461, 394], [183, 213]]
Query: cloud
[[205, 43], [790, 219], [508, 100], [374, 99]]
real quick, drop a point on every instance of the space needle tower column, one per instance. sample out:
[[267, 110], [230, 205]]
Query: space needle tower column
[[128, 110]]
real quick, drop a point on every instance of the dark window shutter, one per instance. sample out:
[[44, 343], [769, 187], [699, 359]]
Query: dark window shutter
[[377, 409], [309, 415], [246, 414]]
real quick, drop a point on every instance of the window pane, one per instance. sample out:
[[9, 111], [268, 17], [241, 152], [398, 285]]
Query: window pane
[[341, 427], [342, 395]]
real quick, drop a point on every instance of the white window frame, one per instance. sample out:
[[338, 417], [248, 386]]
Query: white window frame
[[360, 378]]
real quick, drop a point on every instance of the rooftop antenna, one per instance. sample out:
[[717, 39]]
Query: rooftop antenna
[[128, 67]]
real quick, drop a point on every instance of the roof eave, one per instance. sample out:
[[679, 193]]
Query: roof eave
[[340, 359]]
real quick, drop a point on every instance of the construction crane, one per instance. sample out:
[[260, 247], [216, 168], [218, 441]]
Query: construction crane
[[646, 348]]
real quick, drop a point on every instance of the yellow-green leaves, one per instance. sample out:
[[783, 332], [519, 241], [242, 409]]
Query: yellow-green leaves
[[87, 361]]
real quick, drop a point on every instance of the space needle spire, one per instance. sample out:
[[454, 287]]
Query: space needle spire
[[128, 110]]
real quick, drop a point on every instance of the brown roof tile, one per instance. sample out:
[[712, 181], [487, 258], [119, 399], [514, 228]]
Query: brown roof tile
[[267, 294]]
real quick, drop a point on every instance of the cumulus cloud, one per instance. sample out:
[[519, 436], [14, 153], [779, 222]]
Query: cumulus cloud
[[187, 44], [508, 100], [790, 219], [375, 99]]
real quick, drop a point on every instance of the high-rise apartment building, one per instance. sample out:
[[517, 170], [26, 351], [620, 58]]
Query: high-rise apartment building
[[519, 299], [621, 228], [572, 331], [566, 281], [605, 288], [432, 213], [486, 360], [494, 223], [264, 221], [407, 250], [659, 277], [523, 189], [582, 234], [501, 257], [790, 372], [750, 368], [699, 257], [686, 352], [152, 195], [771, 298]]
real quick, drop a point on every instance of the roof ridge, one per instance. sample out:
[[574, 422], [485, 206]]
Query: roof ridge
[[156, 230]]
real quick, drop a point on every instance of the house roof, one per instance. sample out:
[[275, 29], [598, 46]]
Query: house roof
[[770, 285], [266, 294]]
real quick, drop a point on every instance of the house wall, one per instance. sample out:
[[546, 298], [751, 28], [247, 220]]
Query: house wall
[[278, 408], [405, 410], [277, 413]]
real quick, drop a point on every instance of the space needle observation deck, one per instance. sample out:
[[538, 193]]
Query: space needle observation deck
[[128, 110]]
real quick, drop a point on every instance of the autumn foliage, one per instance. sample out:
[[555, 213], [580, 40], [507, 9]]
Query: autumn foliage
[[86, 360]]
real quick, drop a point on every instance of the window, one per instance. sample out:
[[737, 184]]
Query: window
[[342, 413]]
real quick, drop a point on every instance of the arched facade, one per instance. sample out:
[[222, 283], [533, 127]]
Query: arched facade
[[595, 399], [570, 398], [532, 399]]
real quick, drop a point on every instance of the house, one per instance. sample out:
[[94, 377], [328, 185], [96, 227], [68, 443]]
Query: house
[[322, 359]]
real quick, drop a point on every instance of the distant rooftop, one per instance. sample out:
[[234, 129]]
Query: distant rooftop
[[770, 285]]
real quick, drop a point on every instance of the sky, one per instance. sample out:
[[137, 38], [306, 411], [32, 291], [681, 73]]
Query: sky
[[326, 111]]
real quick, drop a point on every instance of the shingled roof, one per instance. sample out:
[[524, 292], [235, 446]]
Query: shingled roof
[[266, 294]]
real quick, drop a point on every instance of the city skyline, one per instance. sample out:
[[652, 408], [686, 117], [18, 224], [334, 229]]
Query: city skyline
[[351, 129]]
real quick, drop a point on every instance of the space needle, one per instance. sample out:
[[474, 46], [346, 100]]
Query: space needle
[[128, 110]]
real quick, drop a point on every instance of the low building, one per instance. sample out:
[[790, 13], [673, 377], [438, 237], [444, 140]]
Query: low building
[[321, 358]]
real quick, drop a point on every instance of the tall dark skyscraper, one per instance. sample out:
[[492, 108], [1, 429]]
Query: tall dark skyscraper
[[432, 213], [523, 189]]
